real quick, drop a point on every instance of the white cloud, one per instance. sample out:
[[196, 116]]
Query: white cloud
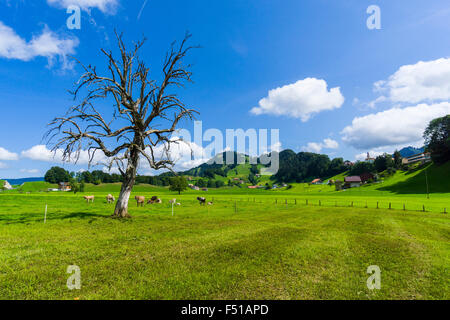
[[48, 44], [317, 147], [372, 153], [29, 170], [373, 103], [106, 6], [421, 82], [300, 100], [41, 153], [392, 127], [6, 155]]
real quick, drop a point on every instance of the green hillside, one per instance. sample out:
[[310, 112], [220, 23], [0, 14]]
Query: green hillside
[[37, 186], [415, 182]]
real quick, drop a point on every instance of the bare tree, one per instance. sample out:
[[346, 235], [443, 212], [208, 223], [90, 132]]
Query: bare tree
[[134, 116]]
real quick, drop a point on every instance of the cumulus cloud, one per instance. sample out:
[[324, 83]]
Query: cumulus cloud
[[6, 155], [393, 127], [317, 147], [42, 153], [48, 44], [425, 81], [106, 6], [300, 100]]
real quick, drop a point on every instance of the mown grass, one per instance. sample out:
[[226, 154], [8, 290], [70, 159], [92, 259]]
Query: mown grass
[[259, 251]]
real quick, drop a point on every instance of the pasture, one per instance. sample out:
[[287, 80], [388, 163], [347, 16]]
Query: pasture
[[249, 245]]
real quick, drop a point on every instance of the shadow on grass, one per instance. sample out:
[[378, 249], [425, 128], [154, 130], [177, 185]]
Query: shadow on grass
[[29, 218], [435, 177]]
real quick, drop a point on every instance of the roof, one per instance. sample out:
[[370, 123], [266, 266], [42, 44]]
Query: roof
[[353, 179], [316, 180]]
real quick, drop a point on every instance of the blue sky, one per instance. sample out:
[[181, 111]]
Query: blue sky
[[336, 87]]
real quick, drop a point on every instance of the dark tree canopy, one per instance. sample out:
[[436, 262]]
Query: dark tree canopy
[[56, 175], [437, 139], [306, 166], [178, 184]]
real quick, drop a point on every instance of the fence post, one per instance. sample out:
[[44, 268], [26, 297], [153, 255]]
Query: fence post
[[423, 207], [335, 203], [276, 201], [306, 201], [377, 205], [390, 207], [445, 210], [404, 207], [352, 204], [320, 203], [295, 201]]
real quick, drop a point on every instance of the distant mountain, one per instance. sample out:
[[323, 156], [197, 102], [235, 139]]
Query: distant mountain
[[410, 151], [17, 182]]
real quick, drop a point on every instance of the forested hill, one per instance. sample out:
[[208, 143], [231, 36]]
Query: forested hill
[[294, 167]]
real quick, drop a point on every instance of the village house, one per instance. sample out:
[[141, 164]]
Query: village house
[[316, 181], [64, 186], [365, 177], [352, 182]]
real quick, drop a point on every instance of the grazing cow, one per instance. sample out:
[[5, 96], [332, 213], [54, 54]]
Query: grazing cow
[[110, 198], [89, 198], [140, 200], [173, 201], [154, 200], [201, 200], [178, 204], [210, 203]]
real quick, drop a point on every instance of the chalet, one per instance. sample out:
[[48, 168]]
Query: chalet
[[64, 186], [352, 182], [366, 177], [316, 181], [420, 157], [252, 187]]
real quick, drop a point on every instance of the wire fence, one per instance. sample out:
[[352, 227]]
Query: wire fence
[[396, 204]]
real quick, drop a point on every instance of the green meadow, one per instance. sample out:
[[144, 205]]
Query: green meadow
[[306, 242]]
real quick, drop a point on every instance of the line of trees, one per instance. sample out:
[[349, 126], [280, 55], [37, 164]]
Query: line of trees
[[305, 166]]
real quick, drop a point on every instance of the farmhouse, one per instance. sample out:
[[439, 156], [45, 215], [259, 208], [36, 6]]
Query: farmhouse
[[253, 187], [366, 177], [64, 186], [316, 181], [352, 182]]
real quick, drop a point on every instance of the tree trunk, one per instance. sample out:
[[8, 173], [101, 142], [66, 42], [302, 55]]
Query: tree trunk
[[121, 210]]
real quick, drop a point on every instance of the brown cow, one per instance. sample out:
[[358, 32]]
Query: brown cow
[[89, 198], [140, 200]]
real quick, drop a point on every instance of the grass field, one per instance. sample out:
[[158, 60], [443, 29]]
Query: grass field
[[307, 242]]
